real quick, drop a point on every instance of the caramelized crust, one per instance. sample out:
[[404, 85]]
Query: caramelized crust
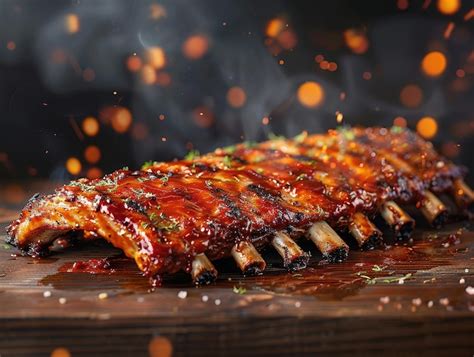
[[167, 213]]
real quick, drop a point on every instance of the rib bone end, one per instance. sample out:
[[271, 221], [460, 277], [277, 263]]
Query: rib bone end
[[247, 258], [203, 271], [294, 258], [333, 248], [433, 209], [400, 222], [463, 194], [364, 231]]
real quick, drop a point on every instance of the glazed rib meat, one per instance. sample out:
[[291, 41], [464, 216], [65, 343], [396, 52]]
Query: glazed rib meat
[[184, 214]]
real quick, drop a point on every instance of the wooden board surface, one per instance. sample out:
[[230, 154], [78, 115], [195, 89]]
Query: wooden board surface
[[326, 309]]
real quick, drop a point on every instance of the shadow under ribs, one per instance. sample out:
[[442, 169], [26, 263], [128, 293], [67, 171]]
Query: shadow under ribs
[[184, 214]]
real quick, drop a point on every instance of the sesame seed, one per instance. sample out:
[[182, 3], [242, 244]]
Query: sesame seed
[[430, 304], [470, 290], [462, 281], [466, 270], [297, 304], [205, 298], [416, 302], [444, 301], [62, 300], [47, 294], [217, 302], [103, 296], [384, 299], [182, 294]]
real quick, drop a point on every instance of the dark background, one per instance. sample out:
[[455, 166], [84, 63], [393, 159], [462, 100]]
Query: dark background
[[63, 61]]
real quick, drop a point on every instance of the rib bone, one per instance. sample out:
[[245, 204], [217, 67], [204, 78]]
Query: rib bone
[[400, 222], [294, 258], [203, 271], [364, 231], [463, 194], [248, 259], [333, 248], [433, 209]]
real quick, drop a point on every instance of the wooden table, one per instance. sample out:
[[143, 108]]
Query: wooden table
[[403, 299]]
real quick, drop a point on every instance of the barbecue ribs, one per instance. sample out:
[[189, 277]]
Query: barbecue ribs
[[233, 202]]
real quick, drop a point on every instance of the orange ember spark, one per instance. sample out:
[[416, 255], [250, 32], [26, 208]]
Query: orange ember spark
[[94, 173], [155, 57], [310, 94], [448, 7], [72, 23], [434, 64], [265, 120], [88, 74], [356, 40], [121, 119], [92, 154], [157, 11], [236, 97], [73, 166], [203, 117], [427, 127], [134, 63], [195, 47], [11, 45], [148, 74], [90, 126], [411, 96], [274, 27], [400, 122], [449, 30]]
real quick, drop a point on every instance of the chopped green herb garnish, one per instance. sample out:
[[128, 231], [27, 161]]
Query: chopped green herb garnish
[[397, 129], [273, 136], [229, 149], [239, 290], [149, 164], [379, 268], [7, 247], [164, 178], [192, 155], [346, 132], [300, 137], [301, 177], [227, 161]]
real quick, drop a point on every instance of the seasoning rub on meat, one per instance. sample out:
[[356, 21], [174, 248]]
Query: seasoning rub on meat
[[236, 201]]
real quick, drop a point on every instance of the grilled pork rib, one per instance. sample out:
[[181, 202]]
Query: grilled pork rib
[[235, 201]]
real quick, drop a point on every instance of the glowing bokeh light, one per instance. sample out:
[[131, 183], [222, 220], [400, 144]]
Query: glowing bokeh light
[[448, 7], [236, 97], [60, 352], [160, 346], [121, 119], [139, 131], [274, 27], [11, 45], [427, 127], [155, 57], [434, 63], [148, 75], [400, 122], [287, 39], [92, 154], [134, 63], [157, 11], [73, 166], [203, 116], [195, 47], [310, 94], [367, 76], [72, 23], [163, 79], [356, 40], [88, 74], [90, 126], [94, 173], [265, 120], [411, 96]]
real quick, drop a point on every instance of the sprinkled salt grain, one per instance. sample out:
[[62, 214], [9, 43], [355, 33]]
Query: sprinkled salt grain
[[401, 281], [103, 296], [462, 281], [182, 294], [379, 307], [297, 304], [416, 302], [384, 299], [430, 304], [205, 298], [140, 299], [444, 301], [47, 294], [217, 301], [62, 300], [470, 290], [466, 270]]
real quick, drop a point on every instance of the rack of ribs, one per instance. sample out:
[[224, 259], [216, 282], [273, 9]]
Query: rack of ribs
[[238, 200]]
